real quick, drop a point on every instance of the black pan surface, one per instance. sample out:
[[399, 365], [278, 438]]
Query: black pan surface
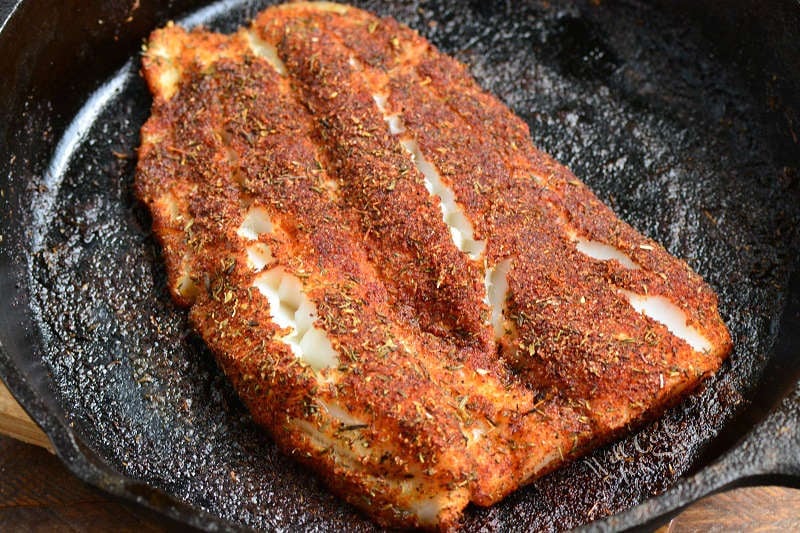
[[684, 137]]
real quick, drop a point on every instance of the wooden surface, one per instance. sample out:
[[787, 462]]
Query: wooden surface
[[14, 422], [37, 493], [745, 509]]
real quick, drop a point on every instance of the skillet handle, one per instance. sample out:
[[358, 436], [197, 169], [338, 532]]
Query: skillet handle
[[769, 454]]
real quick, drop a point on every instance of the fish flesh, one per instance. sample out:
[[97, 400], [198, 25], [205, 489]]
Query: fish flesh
[[408, 296]]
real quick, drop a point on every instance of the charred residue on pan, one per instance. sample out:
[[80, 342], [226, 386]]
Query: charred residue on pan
[[618, 93]]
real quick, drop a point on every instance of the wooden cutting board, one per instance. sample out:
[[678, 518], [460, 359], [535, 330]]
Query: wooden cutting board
[[15, 422], [745, 509]]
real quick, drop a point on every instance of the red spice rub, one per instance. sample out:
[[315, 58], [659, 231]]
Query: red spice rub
[[424, 410]]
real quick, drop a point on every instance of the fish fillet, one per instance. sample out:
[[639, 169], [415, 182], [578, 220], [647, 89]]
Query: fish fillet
[[408, 295]]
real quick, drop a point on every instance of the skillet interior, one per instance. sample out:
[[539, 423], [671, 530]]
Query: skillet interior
[[632, 98]]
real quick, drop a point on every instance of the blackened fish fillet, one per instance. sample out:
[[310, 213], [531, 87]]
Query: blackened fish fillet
[[407, 295]]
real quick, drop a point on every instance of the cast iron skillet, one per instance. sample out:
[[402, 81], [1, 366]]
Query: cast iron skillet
[[683, 118]]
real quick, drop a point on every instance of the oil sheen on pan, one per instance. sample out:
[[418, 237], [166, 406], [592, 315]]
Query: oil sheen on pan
[[408, 296]]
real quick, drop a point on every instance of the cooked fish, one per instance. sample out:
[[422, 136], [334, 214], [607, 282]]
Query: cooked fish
[[408, 295]]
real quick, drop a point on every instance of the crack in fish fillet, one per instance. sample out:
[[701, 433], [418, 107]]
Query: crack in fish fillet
[[259, 256], [452, 214], [341, 414], [325, 442], [595, 249], [256, 223], [461, 229], [496, 282], [291, 308], [665, 312], [604, 252], [266, 51], [659, 308], [288, 304]]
